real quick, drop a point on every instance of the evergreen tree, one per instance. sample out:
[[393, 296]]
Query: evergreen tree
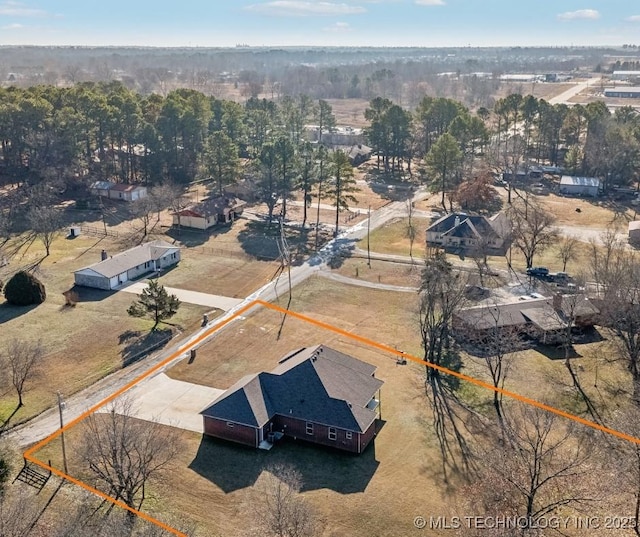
[[155, 302]]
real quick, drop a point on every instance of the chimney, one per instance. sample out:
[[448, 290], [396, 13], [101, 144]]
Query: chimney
[[103, 255], [456, 222], [557, 301]]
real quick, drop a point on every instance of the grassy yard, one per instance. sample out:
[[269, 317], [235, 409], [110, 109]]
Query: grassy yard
[[392, 239], [76, 356]]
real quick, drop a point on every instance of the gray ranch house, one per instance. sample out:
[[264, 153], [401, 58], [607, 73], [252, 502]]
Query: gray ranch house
[[461, 232], [128, 265], [315, 394]]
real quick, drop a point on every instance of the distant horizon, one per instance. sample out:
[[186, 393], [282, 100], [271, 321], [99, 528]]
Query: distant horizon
[[318, 23], [622, 47]]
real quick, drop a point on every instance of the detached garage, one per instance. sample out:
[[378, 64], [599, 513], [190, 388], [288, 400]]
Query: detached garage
[[580, 186], [128, 265]]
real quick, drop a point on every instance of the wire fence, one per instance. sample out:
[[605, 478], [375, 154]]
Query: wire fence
[[98, 231]]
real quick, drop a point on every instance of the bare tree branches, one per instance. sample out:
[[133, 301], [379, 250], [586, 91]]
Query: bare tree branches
[[125, 454], [532, 230], [279, 510], [21, 359], [568, 250]]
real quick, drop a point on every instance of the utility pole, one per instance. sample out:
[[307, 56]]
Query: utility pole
[[61, 405], [368, 243]]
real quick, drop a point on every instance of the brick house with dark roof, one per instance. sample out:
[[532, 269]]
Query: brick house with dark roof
[[315, 394], [460, 232], [544, 319]]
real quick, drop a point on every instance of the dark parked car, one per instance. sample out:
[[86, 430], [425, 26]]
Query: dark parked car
[[539, 272]]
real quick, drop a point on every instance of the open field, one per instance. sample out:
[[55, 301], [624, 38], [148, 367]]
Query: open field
[[385, 272], [350, 111], [355, 495]]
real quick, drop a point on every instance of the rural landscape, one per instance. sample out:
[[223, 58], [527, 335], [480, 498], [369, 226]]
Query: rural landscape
[[318, 291]]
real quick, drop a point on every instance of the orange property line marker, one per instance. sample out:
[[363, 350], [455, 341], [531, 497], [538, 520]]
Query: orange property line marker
[[29, 454], [456, 374]]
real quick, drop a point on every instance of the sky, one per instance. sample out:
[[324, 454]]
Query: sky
[[392, 23]]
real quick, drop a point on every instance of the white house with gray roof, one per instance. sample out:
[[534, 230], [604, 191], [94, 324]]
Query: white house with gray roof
[[115, 270]]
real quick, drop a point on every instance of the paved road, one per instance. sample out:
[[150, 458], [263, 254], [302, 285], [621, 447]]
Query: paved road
[[223, 303], [565, 97], [48, 422]]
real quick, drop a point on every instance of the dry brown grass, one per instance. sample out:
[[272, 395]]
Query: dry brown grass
[[594, 213], [350, 111], [385, 272], [379, 492]]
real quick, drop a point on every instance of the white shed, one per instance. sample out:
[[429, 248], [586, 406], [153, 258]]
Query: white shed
[[634, 232], [580, 186]]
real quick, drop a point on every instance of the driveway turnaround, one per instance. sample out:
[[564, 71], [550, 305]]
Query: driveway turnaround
[[223, 303], [170, 402]]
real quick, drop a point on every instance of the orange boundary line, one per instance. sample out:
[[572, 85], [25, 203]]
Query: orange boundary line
[[456, 374], [29, 454]]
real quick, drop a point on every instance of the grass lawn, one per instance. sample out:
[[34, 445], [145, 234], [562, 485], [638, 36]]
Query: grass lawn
[[75, 356], [386, 272]]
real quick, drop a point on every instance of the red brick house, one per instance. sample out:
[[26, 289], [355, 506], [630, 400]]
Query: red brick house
[[315, 394]]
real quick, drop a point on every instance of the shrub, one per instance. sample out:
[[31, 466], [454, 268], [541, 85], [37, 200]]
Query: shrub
[[24, 289]]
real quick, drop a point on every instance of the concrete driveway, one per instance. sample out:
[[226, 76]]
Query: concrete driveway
[[223, 303], [170, 402]]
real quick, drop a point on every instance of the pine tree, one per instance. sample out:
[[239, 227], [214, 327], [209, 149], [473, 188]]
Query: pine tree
[[155, 302]]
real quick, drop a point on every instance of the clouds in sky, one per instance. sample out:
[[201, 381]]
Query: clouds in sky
[[580, 14], [10, 8], [430, 2], [338, 28], [633, 18], [300, 8]]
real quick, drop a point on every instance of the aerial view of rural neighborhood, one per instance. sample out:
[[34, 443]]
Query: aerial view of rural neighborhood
[[320, 269]]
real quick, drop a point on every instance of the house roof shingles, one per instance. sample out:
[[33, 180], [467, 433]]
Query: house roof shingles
[[465, 226], [538, 311], [131, 258], [213, 206], [316, 384]]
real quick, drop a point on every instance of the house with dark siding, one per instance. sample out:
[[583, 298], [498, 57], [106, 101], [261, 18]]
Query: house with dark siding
[[315, 394]]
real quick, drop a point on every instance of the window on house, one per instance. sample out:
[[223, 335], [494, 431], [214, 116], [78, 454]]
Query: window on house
[[229, 424], [348, 435], [332, 433], [309, 428]]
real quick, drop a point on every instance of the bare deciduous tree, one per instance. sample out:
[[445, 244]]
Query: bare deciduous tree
[[21, 359], [494, 345], [441, 295], [279, 509], [45, 222], [125, 454], [540, 466], [568, 250], [616, 272], [532, 230]]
